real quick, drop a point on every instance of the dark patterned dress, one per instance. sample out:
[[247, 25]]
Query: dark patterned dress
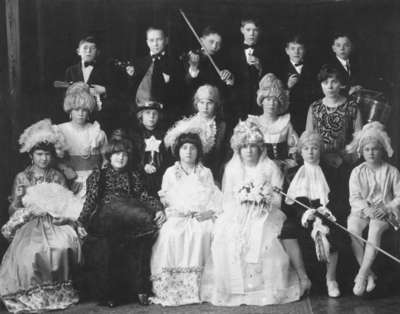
[[118, 215]]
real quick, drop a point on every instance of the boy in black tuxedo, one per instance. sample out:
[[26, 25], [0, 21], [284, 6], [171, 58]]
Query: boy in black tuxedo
[[342, 59], [156, 77], [248, 65], [299, 76], [98, 77]]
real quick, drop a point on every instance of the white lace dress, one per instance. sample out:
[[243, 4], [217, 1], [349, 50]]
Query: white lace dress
[[84, 150], [249, 264], [183, 245]]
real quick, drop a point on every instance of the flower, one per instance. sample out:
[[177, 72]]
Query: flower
[[255, 196]]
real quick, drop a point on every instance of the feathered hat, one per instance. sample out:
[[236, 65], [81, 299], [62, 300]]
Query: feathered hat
[[246, 132], [271, 86], [42, 132], [190, 125], [371, 131]]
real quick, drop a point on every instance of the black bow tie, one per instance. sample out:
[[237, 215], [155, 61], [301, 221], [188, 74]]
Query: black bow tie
[[298, 64], [246, 46], [88, 63]]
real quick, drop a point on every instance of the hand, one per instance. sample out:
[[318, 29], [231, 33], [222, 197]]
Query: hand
[[309, 215], [81, 232], [333, 160], [59, 221], [227, 77], [97, 89], [327, 213], [130, 70], [194, 60], [293, 79], [354, 89], [76, 187], [380, 213], [166, 77], [202, 216], [20, 191], [160, 218], [150, 169]]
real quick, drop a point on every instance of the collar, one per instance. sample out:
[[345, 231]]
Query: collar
[[342, 61], [86, 64]]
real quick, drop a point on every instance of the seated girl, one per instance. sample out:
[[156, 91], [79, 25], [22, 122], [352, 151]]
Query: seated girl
[[374, 198], [249, 264], [35, 274], [121, 220], [311, 186], [192, 201]]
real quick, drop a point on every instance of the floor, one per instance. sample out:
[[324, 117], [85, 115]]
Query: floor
[[309, 305]]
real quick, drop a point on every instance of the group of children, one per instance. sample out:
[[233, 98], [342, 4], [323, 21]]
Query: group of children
[[181, 216]]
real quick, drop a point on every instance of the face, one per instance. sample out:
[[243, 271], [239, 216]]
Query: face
[[87, 51], [270, 105], [250, 33], [331, 86], [188, 153], [156, 41], [342, 47], [150, 118], [119, 160], [250, 154], [295, 52], [212, 42], [311, 153], [373, 153], [41, 158], [205, 104], [79, 116]]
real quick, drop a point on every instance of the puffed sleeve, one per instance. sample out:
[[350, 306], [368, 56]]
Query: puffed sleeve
[[394, 204], [92, 195], [357, 202], [292, 139], [310, 122], [15, 202], [139, 191]]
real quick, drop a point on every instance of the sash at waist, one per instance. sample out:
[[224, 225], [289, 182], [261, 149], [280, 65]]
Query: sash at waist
[[79, 163]]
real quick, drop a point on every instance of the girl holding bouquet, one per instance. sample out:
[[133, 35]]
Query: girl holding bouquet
[[35, 274], [250, 265], [192, 202]]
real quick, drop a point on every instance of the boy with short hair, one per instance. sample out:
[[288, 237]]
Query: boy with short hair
[[299, 76], [248, 64], [155, 77]]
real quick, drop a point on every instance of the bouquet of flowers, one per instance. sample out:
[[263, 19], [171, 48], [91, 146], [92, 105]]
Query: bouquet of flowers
[[256, 197]]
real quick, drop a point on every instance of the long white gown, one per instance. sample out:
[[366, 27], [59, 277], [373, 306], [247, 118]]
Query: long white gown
[[183, 245], [249, 264]]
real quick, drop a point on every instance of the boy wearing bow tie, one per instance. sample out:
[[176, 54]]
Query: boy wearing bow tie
[[248, 64], [155, 77], [94, 73], [300, 79]]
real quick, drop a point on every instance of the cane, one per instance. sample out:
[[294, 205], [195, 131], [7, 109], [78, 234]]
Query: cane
[[279, 190]]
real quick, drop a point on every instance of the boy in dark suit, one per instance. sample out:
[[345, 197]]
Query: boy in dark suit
[[248, 65], [98, 77], [342, 59], [156, 77], [299, 76]]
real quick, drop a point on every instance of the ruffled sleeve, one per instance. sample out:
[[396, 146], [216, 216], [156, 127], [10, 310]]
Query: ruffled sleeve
[[92, 197], [16, 202], [357, 202], [292, 139], [98, 138], [394, 175]]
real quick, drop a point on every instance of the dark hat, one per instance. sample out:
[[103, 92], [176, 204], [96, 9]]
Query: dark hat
[[148, 105]]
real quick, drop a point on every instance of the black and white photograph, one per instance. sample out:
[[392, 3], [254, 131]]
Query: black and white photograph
[[200, 156]]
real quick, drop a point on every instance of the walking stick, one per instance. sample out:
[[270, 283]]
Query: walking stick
[[279, 190]]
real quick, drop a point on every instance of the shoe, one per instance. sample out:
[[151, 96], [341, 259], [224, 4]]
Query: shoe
[[305, 286], [370, 283], [143, 299], [360, 284], [333, 288]]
